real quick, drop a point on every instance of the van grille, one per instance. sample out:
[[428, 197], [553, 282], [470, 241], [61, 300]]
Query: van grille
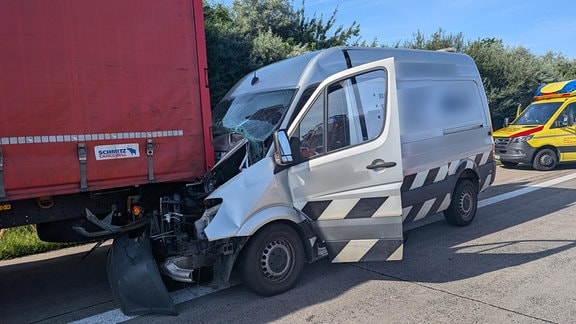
[[501, 143]]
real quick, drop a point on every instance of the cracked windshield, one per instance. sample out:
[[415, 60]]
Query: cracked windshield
[[255, 116]]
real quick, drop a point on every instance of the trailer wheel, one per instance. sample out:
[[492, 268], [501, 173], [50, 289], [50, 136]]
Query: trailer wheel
[[272, 260], [545, 160], [463, 206]]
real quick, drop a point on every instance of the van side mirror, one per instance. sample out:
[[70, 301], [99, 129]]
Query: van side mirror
[[506, 122], [283, 155]]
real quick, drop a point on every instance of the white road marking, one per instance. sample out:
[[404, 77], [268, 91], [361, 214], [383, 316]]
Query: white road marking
[[523, 191], [178, 297], [188, 294]]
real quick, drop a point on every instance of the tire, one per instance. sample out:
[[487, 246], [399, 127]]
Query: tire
[[508, 164], [272, 261], [463, 206], [545, 160]]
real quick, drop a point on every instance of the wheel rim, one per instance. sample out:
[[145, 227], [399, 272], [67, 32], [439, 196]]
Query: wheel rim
[[546, 160], [276, 260], [466, 204]]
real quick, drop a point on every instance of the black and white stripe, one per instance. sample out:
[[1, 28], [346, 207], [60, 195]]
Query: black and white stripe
[[358, 229], [366, 250], [345, 208], [429, 192]]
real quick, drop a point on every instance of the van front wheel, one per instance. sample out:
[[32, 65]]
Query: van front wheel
[[545, 160], [463, 206], [272, 261]]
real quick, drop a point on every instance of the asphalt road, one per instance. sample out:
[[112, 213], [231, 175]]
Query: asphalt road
[[514, 264]]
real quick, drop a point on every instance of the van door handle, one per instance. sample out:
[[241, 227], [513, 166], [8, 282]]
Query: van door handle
[[379, 164]]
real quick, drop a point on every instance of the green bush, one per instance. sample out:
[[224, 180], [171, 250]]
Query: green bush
[[20, 241]]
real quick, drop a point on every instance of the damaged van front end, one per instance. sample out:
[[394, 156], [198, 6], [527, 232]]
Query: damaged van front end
[[195, 234]]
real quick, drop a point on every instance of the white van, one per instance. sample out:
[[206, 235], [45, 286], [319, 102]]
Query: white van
[[366, 139], [331, 153]]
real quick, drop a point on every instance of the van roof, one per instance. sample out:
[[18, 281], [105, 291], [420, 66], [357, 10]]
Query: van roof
[[310, 68]]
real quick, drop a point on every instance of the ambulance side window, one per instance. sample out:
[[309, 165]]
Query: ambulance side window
[[566, 116], [349, 112]]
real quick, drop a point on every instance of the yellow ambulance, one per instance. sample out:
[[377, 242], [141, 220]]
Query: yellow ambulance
[[544, 133]]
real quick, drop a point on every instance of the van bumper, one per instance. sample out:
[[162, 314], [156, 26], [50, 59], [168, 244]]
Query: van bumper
[[487, 174], [509, 151]]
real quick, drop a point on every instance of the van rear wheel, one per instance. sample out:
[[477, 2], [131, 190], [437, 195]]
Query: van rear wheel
[[464, 203], [272, 261], [545, 160]]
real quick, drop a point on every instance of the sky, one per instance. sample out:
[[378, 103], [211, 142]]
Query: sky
[[539, 26]]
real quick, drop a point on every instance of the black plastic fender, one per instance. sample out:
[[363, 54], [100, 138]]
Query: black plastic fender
[[135, 279]]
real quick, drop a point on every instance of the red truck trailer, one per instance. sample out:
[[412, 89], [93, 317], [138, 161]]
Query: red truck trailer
[[98, 98]]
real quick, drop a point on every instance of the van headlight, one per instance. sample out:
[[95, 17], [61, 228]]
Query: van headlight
[[522, 139]]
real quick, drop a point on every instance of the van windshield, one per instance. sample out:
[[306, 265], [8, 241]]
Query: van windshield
[[537, 113], [253, 115]]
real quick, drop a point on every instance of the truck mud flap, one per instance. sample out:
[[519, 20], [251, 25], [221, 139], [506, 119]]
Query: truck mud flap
[[134, 277]]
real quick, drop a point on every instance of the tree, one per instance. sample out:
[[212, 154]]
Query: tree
[[227, 49], [439, 40], [564, 67], [314, 32]]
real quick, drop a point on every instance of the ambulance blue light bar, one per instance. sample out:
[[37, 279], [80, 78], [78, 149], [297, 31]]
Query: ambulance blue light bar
[[556, 90]]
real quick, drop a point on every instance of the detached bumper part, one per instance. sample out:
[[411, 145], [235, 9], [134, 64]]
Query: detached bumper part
[[134, 278]]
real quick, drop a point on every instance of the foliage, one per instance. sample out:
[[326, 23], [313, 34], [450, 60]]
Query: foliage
[[313, 32], [439, 40], [227, 49], [23, 240]]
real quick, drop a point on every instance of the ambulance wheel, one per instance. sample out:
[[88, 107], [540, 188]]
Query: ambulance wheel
[[463, 206], [272, 260], [545, 160], [509, 164]]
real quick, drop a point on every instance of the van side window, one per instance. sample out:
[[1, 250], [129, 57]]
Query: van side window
[[309, 137], [348, 112]]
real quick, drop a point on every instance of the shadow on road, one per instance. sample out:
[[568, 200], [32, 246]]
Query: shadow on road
[[439, 253], [38, 290]]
